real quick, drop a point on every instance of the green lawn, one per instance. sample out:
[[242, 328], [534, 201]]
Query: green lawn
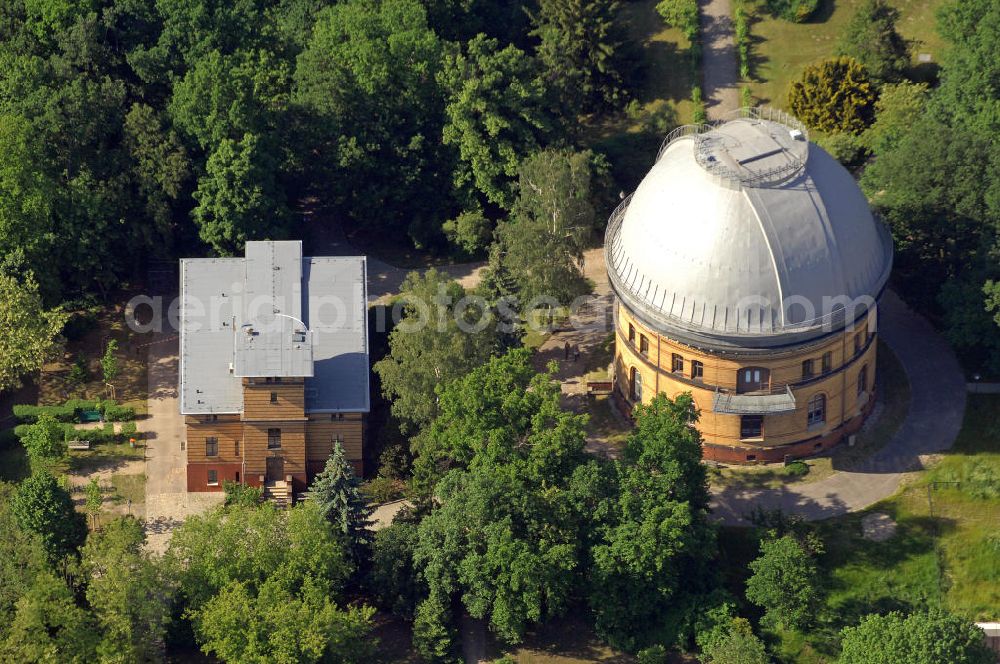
[[952, 559], [631, 139], [781, 49]]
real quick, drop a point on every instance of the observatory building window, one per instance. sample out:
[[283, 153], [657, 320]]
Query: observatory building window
[[827, 362], [863, 380], [859, 342], [752, 379], [631, 333], [816, 410], [643, 344], [677, 363], [274, 397], [213, 477], [635, 385], [273, 439], [697, 370], [752, 426], [211, 446], [807, 369]]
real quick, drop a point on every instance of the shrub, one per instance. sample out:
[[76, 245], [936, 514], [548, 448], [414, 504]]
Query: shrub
[[26, 414], [78, 373], [797, 469], [652, 655], [242, 495], [700, 115], [113, 413], [130, 430], [382, 489], [681, 14], [834, 95], [797, 11]]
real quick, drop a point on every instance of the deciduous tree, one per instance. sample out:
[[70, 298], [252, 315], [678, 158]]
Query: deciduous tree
[[368, 81], [129, 592], [785, 582], [43, 507], [649, 562], [30, 332], [926, 637], [736, 644], [428, 347], [44, 441], [48, 626], [507, 538], [497, 114], [239, 197]]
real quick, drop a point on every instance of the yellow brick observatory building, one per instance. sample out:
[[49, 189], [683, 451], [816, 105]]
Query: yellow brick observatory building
[[747, 269]]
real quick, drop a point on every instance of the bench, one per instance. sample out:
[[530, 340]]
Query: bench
[[595, 387], [79, 445], [88, 416]]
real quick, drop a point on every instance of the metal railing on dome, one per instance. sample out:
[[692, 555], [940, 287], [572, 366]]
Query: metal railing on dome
[[704, 145]]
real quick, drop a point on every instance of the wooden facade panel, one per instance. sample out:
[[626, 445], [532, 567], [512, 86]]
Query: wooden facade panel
[[292, 450], [228, 434], [274, 401], [321, 432]]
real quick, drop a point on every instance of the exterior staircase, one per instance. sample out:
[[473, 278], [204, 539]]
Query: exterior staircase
[[278, 492]]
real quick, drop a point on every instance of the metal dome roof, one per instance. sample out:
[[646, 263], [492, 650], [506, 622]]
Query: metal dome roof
[[744, 234]]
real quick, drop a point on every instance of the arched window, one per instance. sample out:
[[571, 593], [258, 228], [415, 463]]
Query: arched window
[[631, 333], [635, 383], [863, 380], [816, 410]]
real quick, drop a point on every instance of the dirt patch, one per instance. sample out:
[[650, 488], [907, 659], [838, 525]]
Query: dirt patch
[[878, 527]]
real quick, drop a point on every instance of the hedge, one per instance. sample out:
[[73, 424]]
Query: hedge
[[30, 414], [111, 411]]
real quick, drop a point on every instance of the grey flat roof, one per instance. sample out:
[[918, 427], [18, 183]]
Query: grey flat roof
[[272, 339], [273, 313], [209, 293], [338, 318]]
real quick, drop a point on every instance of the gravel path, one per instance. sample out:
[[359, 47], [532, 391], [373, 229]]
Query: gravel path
[[167, 501], [937, 405], [719, 68]]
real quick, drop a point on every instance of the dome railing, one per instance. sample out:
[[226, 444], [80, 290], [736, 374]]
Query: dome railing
[[682, 132], [703, 145]]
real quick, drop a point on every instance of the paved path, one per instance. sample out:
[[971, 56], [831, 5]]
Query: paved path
[[167, 501], [937, 405], [719, 68]]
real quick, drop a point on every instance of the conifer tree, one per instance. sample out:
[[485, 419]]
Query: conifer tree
[[337, 492]]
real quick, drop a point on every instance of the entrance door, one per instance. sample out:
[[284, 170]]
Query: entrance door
[[752, 379], [275, 469]]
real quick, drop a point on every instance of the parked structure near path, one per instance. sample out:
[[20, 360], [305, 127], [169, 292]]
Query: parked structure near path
[[273, 366], [747, 269]]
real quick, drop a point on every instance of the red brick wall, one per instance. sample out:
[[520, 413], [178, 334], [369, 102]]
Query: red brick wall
[[197, 475], [740, 454]]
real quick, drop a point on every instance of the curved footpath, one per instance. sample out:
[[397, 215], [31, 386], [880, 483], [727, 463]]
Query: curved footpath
[[934, 418]]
